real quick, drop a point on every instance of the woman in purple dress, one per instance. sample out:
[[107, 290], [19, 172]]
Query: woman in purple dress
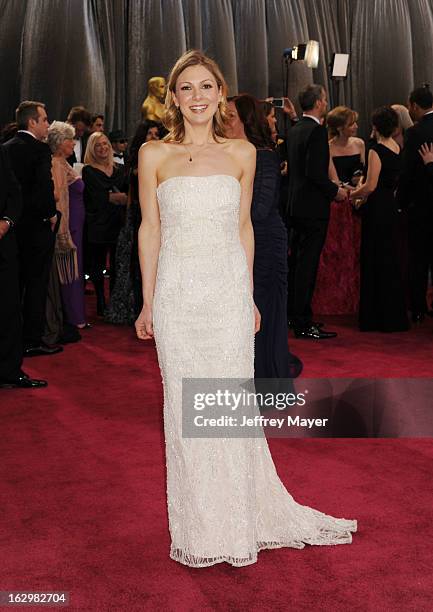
[[73, 293], [69, 195]]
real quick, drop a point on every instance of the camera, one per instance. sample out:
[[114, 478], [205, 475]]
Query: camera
[[278, 102]]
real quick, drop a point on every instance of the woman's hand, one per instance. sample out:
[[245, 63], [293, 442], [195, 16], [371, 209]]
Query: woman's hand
[[358, 202], [118, 198], [289, 109], [144, 323], [257, 319], [426, 153]]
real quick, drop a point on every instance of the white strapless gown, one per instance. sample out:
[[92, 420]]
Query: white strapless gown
[[225, 499]]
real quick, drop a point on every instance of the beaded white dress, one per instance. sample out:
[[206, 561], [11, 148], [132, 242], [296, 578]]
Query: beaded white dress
[[225, 499]]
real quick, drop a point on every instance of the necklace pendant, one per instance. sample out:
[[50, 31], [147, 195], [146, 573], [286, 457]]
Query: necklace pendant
[[190, 158]]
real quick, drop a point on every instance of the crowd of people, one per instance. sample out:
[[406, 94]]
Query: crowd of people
[[70, 211]]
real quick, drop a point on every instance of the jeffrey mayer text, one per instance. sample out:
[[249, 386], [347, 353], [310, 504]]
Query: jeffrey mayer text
[[295, 421], [258, 421]]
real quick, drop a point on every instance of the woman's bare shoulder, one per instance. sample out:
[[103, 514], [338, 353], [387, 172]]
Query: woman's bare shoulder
[[153, 148], [242, 147], [358, 142]]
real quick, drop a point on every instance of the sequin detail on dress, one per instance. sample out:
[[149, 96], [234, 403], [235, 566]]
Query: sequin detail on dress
[[225, 499]]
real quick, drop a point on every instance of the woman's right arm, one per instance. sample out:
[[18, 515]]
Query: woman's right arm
[[370, 184], [333, 172], [149, 233], [57, 179]]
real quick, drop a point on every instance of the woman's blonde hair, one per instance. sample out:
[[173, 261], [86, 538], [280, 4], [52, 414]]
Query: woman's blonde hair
[[339, 117], [90, 158], [404, 119], [173, 119]]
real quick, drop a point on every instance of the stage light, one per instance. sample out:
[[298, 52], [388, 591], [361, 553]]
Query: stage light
[[311, 56], [307, 52]]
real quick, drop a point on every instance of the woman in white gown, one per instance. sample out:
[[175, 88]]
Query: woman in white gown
[[225, 500]]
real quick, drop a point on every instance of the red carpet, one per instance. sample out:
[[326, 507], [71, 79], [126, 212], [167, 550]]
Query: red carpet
[[83, 493], [365, 354]]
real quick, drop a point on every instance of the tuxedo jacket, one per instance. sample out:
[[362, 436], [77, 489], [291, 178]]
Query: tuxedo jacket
[[10, 192], [415, 186], [429, 170], [31, 162], [310, 190], [72, 159]]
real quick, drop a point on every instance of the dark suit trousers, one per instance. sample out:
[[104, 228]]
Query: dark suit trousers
[[11, 345], [36, 248], [420, 257], [98, 261], [307, 239]]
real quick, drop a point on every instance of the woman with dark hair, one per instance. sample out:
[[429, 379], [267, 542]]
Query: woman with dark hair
[[289, 114], [272, 356], [382, 301], [269, 111], [126, 299]]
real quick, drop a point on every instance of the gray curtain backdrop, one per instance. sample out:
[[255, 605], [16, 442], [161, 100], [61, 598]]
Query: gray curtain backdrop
[[101, 53]]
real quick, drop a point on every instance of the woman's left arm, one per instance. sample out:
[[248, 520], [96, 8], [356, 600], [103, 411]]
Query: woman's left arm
[[246, 154], [362, 150]]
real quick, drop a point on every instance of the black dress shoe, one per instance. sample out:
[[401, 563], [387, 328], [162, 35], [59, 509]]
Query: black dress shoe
[[313, 333], [291, 323], [42, 349], [418, 317], [70, 334], [22, 382]]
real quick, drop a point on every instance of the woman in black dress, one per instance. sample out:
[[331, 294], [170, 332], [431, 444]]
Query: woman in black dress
[[126, 299], [272, 356], [346, 150], [104, 202], [382, 301]]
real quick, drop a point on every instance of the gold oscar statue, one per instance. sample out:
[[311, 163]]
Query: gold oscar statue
[[153, 107]]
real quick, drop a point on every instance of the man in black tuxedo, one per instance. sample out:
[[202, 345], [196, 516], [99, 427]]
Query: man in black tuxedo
[[80, 118], [31, 163], [415, 193], [310, 193], [11, 346]]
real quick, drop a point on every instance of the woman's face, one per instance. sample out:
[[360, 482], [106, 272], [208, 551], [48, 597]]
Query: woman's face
[[197, 95], [350, 129], [67, 147], [152, 134], [235, 126], [272, 121], [102, 149]]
